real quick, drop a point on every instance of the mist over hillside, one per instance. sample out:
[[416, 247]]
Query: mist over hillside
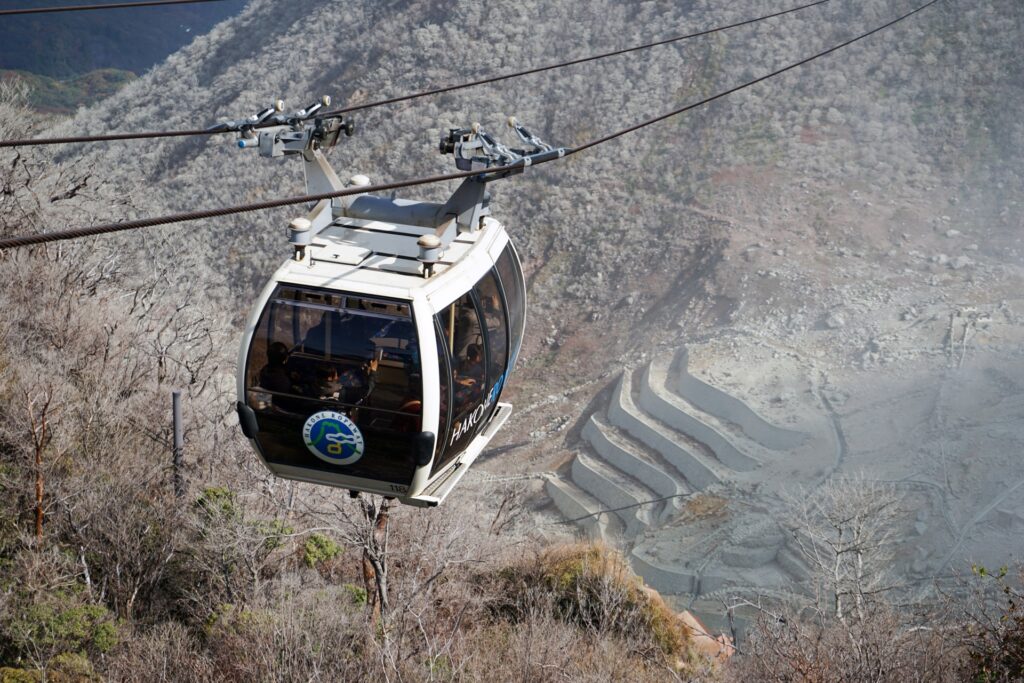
[[810, 288]]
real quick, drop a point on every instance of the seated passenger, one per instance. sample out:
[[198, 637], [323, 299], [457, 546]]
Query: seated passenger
[[328, 385], [472, 366], [316, 339], [410, 419], [339, 335], [469, 380], [495, 320], [355, 384], [274, 375], [279, 378]]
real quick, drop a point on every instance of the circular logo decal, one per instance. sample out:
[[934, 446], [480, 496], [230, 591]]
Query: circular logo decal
[[333, 438]]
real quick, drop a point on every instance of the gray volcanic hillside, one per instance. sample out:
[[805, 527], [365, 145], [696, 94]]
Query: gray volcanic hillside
[[927, 105], [898, 108], [918, 116]]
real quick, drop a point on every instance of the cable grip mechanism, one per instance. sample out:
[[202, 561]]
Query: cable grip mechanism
[[277, 133], [476, 150]]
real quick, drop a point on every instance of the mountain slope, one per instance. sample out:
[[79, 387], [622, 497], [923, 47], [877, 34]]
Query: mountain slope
[[64, 45], [926, 104]]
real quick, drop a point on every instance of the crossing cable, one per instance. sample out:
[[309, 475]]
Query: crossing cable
[[642, 503], [116, 5], [425, 93], [41, 238]]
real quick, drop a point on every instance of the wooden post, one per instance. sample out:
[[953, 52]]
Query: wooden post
[[178, 447], [40, 438]]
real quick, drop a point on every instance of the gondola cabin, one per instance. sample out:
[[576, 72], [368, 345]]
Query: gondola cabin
[[364, 371], [375, 358]]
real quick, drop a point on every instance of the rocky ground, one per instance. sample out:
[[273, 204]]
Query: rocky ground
[[887, 327]]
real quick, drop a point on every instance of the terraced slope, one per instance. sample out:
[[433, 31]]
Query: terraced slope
[[659, 465]]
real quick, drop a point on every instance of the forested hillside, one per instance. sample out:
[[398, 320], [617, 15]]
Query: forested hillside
[[109, 571], [63, 45]]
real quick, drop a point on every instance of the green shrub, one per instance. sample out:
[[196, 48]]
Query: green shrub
[[11, 675], [275, 530], [593, 587], [56, 631], [319, 548], [218, 501], [357, 593]]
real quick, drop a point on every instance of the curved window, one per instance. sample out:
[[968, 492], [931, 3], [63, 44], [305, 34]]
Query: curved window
[[444, 390], [315, 351], [463, 337], [515, 298], [492, 308]]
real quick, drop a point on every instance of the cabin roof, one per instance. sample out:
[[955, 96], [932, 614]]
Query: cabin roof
[[375, 257]]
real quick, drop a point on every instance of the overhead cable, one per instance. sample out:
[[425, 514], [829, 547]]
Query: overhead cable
[[582, 60], [115, 5], [41, 238], [404, 98]]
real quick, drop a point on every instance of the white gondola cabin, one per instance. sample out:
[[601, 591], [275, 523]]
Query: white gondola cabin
[[375, 359]]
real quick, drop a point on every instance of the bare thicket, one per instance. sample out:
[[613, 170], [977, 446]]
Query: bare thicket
[[845, 531], [861, 622], [990, 618]]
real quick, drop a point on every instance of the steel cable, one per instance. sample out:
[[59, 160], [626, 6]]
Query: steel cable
[[83, 8], [404, 98], [40, 238]]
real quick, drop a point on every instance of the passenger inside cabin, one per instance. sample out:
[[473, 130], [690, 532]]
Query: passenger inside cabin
[[469, 379], [472, 365], [274, 375], [408, 420], [495, 321], [328, 385]]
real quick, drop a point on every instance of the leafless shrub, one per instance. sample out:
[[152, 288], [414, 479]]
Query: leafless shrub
[[166, 652], [883, 645], [856, 628], [989, 613], [845, 532]]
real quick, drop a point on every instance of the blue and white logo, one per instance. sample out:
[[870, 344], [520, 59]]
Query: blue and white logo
[[333, 438]]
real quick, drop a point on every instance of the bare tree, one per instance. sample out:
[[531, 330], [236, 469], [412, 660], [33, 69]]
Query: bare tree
[[845, 531], [38, 415], [855, 627]]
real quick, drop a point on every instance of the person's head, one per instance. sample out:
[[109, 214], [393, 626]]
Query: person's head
[[277, 354], [326, 374]]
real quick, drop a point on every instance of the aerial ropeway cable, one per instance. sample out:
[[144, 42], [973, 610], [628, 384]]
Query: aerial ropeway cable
[[216, 130], [106, 228], [84, 8]]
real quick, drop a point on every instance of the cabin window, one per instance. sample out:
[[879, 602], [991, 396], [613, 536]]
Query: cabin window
[[444, 391], [317, 351], [463, 338], [515, 298], [488, 293]]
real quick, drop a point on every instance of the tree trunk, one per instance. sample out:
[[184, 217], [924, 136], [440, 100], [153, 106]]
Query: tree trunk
[[375, 568]]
